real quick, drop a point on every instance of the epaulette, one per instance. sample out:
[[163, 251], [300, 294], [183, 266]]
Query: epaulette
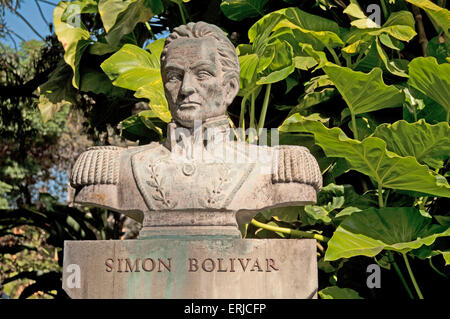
[[98, 165], [296, 164]]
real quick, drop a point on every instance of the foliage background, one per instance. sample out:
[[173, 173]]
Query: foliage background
[[370, 101]]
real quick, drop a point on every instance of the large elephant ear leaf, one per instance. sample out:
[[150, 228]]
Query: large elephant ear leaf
[[308, 28], [369, 232], [74, 39], [431, 79], [363, 92], [429, 144], [136, 69], [371, 158], [121, 17]]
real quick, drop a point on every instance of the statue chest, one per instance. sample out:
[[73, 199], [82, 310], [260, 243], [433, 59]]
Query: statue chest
[[169, 184]]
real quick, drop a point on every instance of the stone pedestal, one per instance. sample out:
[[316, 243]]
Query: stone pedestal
[[191, 269]]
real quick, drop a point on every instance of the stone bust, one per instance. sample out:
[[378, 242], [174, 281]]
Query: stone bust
[[199, 177]]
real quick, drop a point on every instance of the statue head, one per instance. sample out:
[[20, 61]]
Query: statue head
[[200, 72]]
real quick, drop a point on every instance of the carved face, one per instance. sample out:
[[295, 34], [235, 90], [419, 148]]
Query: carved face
[[193, 81]]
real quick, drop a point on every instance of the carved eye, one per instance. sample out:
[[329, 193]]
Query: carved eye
[[174, 76], [203, 75]]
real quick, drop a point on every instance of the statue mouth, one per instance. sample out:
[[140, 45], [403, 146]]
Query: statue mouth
[[189, 105]]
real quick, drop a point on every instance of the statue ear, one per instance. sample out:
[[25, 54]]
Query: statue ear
[[231, 90]]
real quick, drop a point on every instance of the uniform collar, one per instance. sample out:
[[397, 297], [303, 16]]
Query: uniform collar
[[212, 131]]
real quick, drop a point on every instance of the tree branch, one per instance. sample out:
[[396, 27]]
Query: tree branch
[[26, 89], [421, 30], [13, 10]]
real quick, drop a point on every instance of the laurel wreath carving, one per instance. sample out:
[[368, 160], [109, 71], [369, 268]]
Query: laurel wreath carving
[[161, 195], [215, 194]]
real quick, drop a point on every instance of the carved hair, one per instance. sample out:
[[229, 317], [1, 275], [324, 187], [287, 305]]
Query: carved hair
[[227, 53]]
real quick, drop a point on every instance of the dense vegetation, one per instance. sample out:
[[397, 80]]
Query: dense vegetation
[[364, 86]]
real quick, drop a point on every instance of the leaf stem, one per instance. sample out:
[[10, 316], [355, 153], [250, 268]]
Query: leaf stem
[[448, 116], [386, 198], [242, 117], [380, 196], [262, 117], [411, 275], [348, 61], [383, 7], [181, 6], [400, 275], [252, 117], [355, 131], [334, 55], [358, 59], [292, 232], [435, 269]]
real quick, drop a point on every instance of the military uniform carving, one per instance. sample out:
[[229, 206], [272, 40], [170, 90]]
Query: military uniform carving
[[191, 181], [101, 177]]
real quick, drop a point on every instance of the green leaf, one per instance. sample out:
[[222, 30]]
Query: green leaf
[[248, 63], [391, 66], [365, 23], [56, 92], [429, 144], [354, 48], [370, 231], [401, 18], [401, 32], [326, 38], [363, 92], [362, 21], [154, 91], [132, 67], [313, 98], [354, 10], [371, 158], [334, 292], [59, 85], [286, 214], [48, 109], [99, 83], [365, 126], [276, 76], [304, 62], [120, 17], [135, 69], [439, 48], [260, 31], [319, 56], [390, 42], [74, 39], [99, 48], [238, 10], [431, 79], [135, 128], [74, 8], [308, 28], [309, 21], [317, 214]]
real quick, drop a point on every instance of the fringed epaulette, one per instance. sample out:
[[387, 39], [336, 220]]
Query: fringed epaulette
[[98, 165], [296, 164]]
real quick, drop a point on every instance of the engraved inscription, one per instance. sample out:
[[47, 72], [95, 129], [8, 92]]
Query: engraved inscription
[[146, 264], [192, 265]]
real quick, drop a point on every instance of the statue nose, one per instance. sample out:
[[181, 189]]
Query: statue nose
[[187, 87]]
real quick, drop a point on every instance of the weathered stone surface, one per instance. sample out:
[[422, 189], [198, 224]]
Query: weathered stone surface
[[199, 176], [235, 269]]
